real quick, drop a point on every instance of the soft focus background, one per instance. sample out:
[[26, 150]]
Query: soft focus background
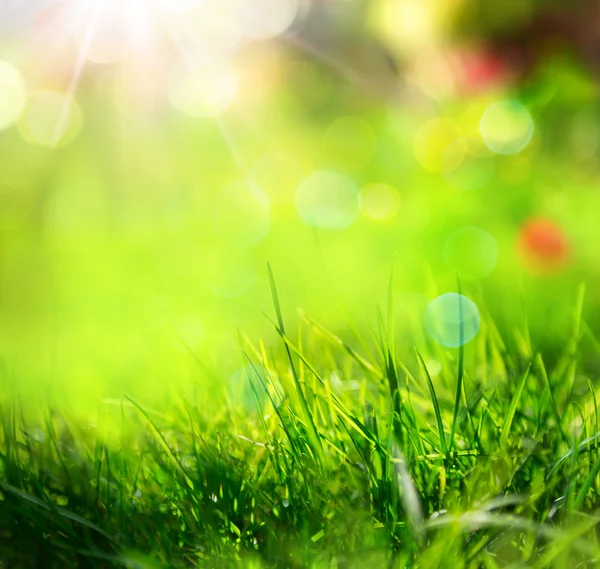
[[155, 155]]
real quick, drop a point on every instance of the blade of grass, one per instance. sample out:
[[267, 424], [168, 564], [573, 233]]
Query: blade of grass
[[513, 408], [314, 435], [61, 511], [436, 405], [162, 441], [461, 365]]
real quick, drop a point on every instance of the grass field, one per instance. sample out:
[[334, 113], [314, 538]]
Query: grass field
[[332, 453], [347, 316]]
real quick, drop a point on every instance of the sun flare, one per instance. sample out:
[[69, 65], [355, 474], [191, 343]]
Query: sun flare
[[181, 49]]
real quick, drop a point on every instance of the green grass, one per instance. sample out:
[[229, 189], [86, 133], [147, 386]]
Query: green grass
[[132, 283], [344, 455]]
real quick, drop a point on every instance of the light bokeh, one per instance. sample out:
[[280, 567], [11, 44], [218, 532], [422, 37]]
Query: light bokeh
[[452, 320], [328, 200], [50, 119], [154, 163], [471, 252], [14, 94], [506, 127]]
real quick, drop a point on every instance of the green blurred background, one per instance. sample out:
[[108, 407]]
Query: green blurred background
[[133, 230]]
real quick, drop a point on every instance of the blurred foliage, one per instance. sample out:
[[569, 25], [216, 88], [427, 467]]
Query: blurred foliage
[[152, 227]]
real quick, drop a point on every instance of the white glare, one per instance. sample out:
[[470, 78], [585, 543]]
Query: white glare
[[12, 94], [205, 91], [109, 31], [263, 19], [180, 5]]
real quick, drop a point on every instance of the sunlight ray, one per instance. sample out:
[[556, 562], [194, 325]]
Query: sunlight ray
[[175, 33], [77, 72]]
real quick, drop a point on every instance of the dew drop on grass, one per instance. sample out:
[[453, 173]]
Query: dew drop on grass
[[449, 315]]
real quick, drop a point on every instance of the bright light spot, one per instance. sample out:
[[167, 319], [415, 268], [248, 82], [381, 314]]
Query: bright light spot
[[452, 320], [205, 91], [471, 252], [432, 74], [434, 367], [408, 24], [215, 25], [380, 201], [328, 200], [50, 119], [506, 127], [433, 146], [109, 31], [13, 94], [350, 143], [543, 246], [17, 15], [263, 19], [240, 215], [180, 5]]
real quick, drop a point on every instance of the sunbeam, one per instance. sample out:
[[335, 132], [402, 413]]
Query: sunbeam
[[61, 123], [175, 31]]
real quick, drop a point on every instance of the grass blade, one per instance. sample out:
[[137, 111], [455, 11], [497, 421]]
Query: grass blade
[[513, 408], [436, 405], [303, 403], [461, 366]]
